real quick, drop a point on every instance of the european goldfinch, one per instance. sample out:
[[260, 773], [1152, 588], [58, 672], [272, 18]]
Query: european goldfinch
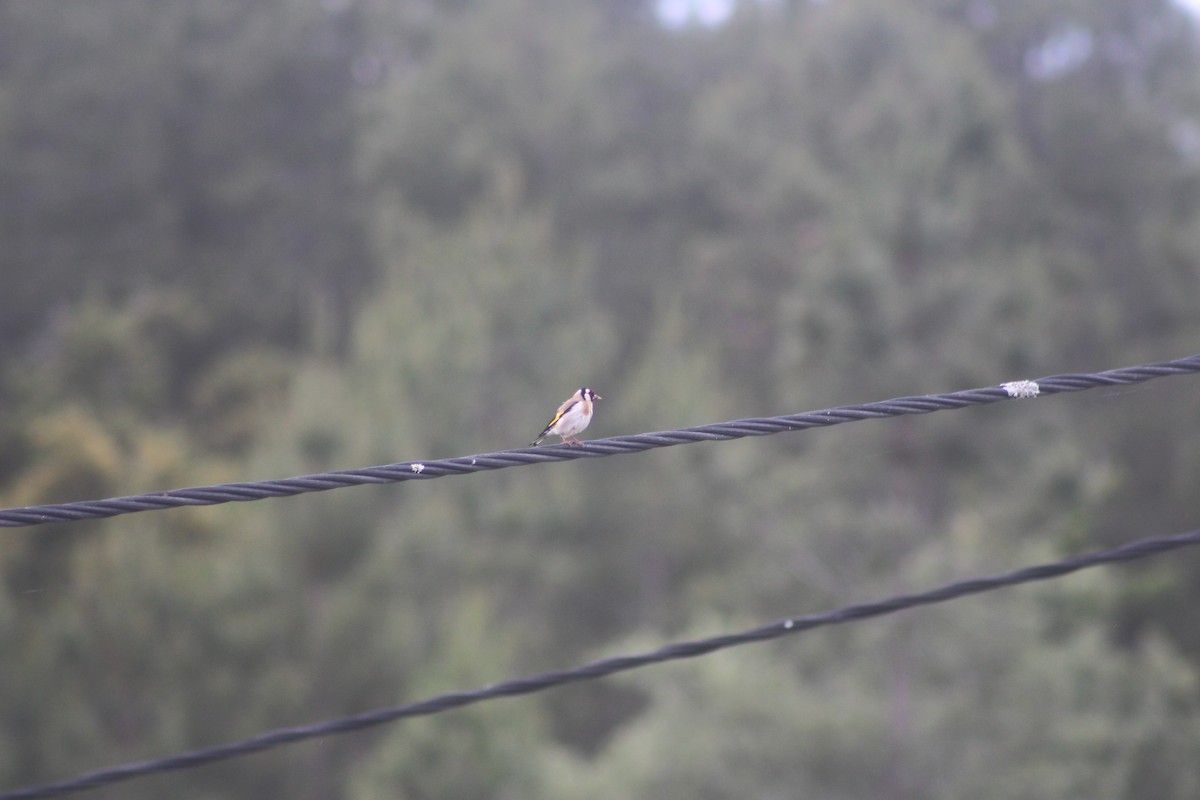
[[571, 418]]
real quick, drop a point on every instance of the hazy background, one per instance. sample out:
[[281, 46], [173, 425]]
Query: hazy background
[[245, 240]]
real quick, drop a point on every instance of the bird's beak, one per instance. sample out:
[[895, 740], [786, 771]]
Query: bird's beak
[[597, 397]]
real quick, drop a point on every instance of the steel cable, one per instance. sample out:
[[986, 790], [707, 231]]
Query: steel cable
[[617, 445], [1141, 548]]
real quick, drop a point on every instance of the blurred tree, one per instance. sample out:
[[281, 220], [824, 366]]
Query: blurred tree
[[992, 697], [205, 147], [812, 203], [477, 753], [585, 113], [1108, 101], [322, 605]]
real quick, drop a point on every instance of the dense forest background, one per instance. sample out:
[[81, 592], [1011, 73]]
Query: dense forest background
[[246, 240]]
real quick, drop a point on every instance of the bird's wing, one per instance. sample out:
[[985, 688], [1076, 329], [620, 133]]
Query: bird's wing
[[563, 409]]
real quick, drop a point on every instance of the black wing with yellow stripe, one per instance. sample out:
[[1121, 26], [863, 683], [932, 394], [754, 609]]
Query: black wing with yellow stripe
[[563, 409]]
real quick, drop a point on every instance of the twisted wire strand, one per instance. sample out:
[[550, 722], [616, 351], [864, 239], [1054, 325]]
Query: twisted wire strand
[[1141, 548], [617, 445]]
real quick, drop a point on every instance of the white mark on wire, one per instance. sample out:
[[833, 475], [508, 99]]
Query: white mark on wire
[[1021, 388], [418, 468]]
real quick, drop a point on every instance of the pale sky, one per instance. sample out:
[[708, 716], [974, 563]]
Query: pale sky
[[712, 12]]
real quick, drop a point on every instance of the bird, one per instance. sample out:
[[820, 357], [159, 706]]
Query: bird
[[571, 418]]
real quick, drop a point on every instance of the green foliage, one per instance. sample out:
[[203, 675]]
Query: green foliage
[[247, 241], [167, 143], [989, 698], [477, 753]]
